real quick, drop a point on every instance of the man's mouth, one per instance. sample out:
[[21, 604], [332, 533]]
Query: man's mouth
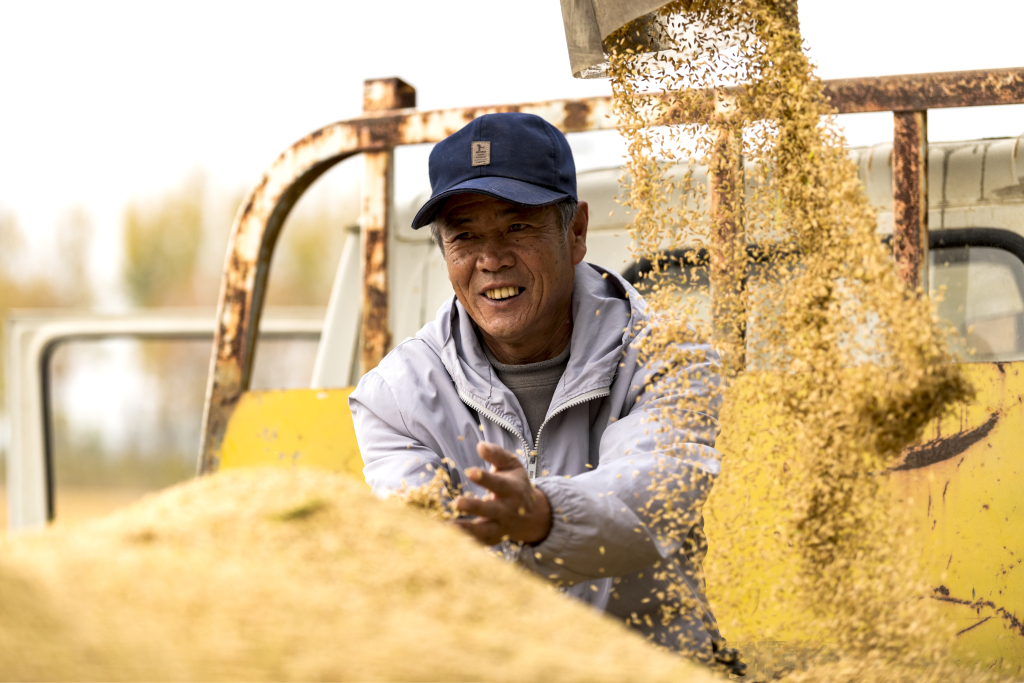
[[503, 292]]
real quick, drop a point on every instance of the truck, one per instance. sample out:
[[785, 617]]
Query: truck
[[966, 205]]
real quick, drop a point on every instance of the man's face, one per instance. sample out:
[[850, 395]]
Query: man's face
[[510, 267]]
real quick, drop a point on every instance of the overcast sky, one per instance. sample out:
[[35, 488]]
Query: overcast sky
[[104, 101]]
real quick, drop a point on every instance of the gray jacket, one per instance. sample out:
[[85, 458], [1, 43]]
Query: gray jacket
[[435, 396]]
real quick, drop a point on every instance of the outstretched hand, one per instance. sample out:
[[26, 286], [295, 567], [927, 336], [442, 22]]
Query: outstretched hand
[[513, 509]]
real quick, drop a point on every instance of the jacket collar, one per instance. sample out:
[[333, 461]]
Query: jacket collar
[[607, 314]]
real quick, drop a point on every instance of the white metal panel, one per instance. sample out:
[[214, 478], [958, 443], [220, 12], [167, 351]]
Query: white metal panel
[[336, 352], [409, 276], [964, 175], [875, 166], [27, 479], [599, 189], [438, 288], [1000, 181]]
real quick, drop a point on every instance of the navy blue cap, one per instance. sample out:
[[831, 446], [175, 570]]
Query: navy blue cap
[[518, 158]]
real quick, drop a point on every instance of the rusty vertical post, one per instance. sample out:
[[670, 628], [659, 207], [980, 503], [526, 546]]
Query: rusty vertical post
[[910, 197], [728, 262], [373, 221], [378, 95]]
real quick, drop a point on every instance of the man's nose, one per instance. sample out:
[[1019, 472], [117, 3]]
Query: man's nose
[[495, 255]]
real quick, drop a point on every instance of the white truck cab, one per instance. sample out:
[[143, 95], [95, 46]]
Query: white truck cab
[[976, 251]]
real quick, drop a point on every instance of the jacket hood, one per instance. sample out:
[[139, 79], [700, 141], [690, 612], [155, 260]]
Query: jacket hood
[[607, 314]]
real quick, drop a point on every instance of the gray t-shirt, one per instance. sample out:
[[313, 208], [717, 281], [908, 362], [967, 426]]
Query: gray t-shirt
[[532, 383]]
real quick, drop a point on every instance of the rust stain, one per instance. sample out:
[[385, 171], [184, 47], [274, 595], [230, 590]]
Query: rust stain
[[374, 219], [946, 448], [376, 331], [386, 94], [577, 115], [910, 195], [381, 132], [917, 92], [728, 254]]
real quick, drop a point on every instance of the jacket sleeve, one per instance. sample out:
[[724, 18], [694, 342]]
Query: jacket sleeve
[[656, 468], [392, 457]]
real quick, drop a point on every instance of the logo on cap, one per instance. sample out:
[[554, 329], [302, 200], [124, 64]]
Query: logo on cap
[[481, 155]]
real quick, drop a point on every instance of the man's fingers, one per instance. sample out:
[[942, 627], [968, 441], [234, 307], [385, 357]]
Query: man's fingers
[[491, 509], [483, 530], [498, 482], [498, 456], [494, 515]]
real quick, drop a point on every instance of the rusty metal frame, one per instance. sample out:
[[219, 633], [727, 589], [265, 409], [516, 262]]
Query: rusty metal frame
[[729, 244], [910, 197], [389, 121]]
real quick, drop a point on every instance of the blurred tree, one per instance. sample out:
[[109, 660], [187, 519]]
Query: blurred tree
[[11, 240], [174, 250], [161, 241], [305, 260], [73, 236]]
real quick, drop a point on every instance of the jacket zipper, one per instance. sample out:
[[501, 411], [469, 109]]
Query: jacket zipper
[[494, 417], [534, 460], [533, 456]]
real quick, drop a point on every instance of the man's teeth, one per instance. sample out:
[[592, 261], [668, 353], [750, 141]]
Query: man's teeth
[[501, 292]]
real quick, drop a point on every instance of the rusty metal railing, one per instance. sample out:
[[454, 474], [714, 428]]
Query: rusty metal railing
[[390, 120]]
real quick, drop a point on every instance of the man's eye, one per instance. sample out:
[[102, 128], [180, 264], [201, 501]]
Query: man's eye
[[462, 236], [516, 227]]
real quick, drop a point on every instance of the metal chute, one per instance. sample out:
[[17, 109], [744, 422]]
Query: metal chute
[[588, 23]]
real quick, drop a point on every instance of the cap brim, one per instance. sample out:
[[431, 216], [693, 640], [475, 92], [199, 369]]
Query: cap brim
[[506, 189]]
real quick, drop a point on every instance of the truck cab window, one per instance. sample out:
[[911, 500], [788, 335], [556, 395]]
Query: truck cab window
[[979, 291]]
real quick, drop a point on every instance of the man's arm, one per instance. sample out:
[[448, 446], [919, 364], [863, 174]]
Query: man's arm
[[639, 504], [392, 457], [513, 509]]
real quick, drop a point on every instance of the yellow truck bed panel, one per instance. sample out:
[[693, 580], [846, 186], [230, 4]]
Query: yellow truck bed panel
[[293, 427]]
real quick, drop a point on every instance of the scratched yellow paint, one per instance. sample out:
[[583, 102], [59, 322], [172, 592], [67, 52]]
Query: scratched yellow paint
[[294, 427], [963, 483], [968, 505]]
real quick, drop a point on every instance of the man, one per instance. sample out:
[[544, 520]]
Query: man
[[527, 390]]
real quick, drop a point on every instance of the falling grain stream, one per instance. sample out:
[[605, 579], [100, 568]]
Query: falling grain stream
[[831, 364]]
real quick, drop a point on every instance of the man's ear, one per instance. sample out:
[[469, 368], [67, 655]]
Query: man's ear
[[579, 232]]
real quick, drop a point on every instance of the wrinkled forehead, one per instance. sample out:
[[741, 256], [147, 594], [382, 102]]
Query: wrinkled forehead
[[477, 209]]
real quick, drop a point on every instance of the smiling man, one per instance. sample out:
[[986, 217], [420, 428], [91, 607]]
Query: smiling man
[[528, 390]]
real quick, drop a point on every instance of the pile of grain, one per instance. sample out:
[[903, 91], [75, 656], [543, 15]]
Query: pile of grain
[[293, 574]]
